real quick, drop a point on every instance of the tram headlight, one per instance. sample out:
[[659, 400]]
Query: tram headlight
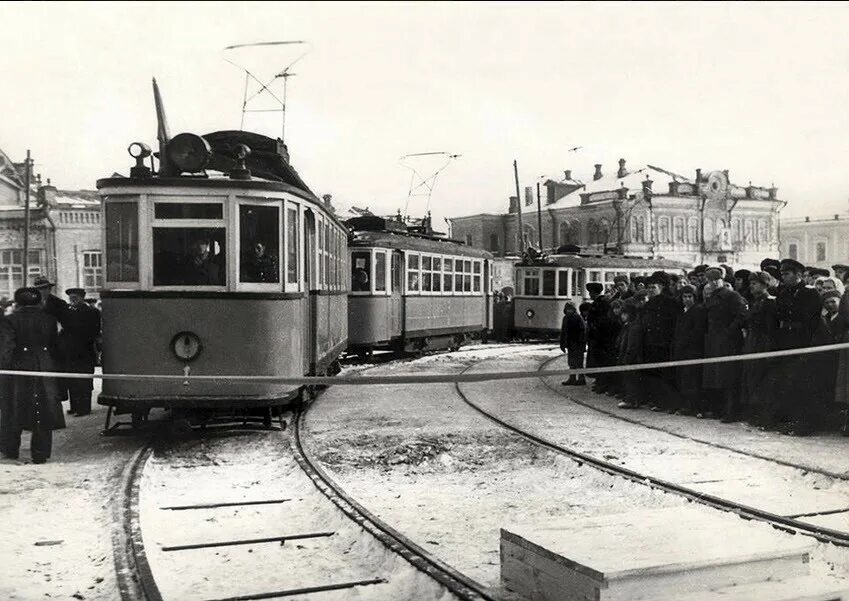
[[139, 150], [530, 313], [186, 346], [190, 153]]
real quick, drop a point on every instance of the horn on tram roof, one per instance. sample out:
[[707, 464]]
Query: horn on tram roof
[[162, 132]]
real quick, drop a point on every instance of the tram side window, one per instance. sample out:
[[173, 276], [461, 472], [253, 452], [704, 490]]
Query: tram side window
[[189, 256], [259, 236], [548, 277], [578, 282], [396, 272], [292, 234], [380, 271], [476, 276], [327, 255], [122, 242], [360, 269], [436, 282], [531, 282], [448, 275], [412, 273], [427, 266], [563, 283]]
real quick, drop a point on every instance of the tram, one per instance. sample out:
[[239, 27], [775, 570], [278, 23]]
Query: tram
[[220, 262], [412, 290], [545, 285]]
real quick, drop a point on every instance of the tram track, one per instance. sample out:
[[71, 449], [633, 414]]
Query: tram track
[[136, 576], [781, 522]]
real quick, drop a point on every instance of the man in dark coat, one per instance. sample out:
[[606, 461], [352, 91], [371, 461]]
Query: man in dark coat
[[573, 342], [630, 353], [81, 327], [50, 304], [799, 310], [35, 404], [726, 311], [658, 320], [741, 284], [600, 332], [761, 325], [622, 287], [688, 342]]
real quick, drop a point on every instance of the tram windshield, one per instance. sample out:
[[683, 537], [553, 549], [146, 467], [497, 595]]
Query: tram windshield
[[188, 256], [360, 269], [259, 242]]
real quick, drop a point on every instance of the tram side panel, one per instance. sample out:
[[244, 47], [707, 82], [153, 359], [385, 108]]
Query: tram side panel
[[541, 316], [443, 315], [331, 328], [237, 336], [371, 320]]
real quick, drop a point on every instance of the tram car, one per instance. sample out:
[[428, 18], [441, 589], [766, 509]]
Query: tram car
[[545, 285], [220, 262], [412, 290]]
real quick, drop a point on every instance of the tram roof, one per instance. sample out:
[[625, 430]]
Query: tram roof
[[444, 246], [605, 262]]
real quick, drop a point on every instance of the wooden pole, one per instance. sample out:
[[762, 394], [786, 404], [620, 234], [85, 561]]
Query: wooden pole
[[539, 218], [521, 246], [25, 277]]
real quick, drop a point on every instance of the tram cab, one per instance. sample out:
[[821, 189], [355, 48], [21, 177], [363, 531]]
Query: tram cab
[[222, 262], [544, 286], [414, 291]]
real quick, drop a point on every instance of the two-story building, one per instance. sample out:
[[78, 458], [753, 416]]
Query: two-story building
[[818, 241]]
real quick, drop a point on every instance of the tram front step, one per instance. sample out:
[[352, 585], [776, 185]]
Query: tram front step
[[647, 555]]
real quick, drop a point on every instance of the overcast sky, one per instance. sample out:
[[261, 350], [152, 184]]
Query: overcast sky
[[759, 89]]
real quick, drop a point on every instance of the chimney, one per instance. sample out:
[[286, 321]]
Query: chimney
[[529, 196], [567, 175], [622, 172], [597, 175], [698, 176], [514, 204], [837, 217], [807, 219], [47, 195]]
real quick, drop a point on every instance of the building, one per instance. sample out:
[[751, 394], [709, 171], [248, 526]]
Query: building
[[64, 235], [647, 211], [817, 241]]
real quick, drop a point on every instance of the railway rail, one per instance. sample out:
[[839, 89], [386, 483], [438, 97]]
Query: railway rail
[[785, 523]]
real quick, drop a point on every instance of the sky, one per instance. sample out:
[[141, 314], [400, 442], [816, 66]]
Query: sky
[[759, 89]]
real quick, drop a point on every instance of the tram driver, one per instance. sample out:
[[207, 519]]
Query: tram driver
[[199, 267]]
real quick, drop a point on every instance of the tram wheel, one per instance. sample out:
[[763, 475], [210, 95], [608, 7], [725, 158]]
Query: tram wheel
[[138, 418]]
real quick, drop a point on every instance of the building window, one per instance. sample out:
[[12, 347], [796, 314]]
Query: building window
[[692, 230], [638, 229], [679, 229], [468, 239], [12, 270], [793, 251], [92, 270], [821, 251], [493, 242], [663, 230]]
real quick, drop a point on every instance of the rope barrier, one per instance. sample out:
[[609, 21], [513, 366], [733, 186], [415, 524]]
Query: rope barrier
[[431, 379]]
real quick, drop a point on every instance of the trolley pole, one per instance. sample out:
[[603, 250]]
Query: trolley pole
[[519, 209], [539, 218], [26, 220]]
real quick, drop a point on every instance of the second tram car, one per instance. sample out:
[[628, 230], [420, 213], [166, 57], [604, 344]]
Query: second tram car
[[222, 262], [544, 286], [412, 290]]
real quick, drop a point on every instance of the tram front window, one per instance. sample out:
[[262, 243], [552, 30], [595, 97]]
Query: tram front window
[[360, 269], [188, 256], [122, 242], [259, 228]]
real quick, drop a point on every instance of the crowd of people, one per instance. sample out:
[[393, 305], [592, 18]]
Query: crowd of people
[[41, 332], [715, 311]]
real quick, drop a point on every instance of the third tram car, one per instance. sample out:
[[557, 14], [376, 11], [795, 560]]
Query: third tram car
[[222, 262], [412, 290], [544, 286]]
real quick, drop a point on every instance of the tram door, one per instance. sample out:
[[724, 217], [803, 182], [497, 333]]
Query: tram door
[[486, 286], [311, 284]]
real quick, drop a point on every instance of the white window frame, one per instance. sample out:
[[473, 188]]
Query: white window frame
[[525, 275], [101, 268], [237, 241], [387, 272], [146, 238], [563, 273], [140, 201], [406, 264]]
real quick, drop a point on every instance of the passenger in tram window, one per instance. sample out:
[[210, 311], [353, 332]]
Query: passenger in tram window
[[199, 267], [359, 275], [259, 266]]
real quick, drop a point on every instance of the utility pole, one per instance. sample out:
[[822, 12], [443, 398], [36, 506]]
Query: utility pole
[[26, 220], [519, 209], [539, 218]]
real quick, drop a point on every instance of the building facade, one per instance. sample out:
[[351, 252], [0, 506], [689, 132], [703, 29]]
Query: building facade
[[648, 211], [64, 233], [817, 241]]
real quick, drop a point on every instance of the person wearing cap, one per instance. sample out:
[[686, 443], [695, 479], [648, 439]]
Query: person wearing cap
[[50, 304], [761, 325], [688, 342], [741, 284], [658, 321], [573, 341], [630, 353], [622, 288], [34, 403], [80, 329], [600, 335], [798, 310], [726, 310]]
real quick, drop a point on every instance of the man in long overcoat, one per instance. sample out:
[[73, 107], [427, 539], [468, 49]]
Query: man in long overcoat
[[726, 310], [81, 327], [688, 342], [799, 310], [658, 320], [761, 325], [600, 334], [34, 404], [573, 342]]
